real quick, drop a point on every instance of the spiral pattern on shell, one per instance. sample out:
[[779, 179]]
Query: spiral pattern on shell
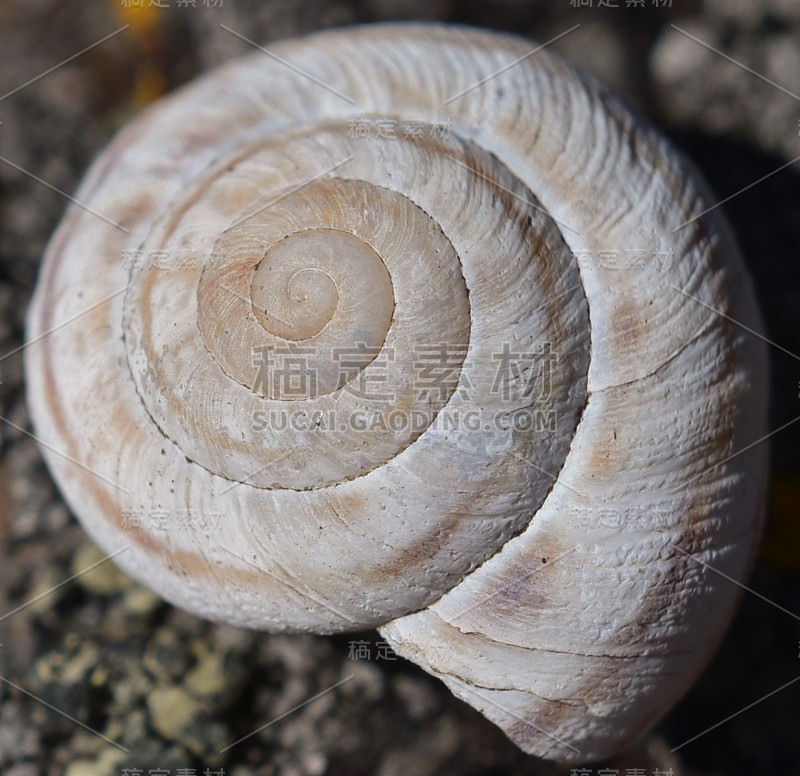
[[325, 381]]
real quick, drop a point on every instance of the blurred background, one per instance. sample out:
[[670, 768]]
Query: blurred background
[[100, 654]]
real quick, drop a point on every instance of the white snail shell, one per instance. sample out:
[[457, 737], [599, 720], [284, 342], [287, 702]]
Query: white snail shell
[[543, 574]]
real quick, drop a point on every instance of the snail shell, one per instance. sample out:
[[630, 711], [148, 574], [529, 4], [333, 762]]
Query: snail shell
[[547, 573]]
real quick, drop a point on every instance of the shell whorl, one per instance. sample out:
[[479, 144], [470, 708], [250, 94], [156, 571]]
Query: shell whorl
[[286, 267]]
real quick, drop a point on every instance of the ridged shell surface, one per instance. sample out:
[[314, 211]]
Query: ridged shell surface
[[408, 327]]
